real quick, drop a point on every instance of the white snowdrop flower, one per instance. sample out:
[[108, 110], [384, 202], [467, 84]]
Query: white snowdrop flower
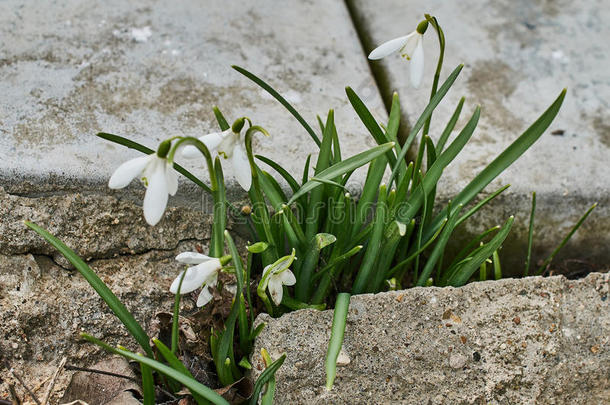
[[204, 273], [277, 275], [158, 176], [410, 47], [228, 145]]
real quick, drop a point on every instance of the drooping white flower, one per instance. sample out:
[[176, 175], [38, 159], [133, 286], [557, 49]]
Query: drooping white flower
[[277, 275], [204, 273], [410, 47], [228, 145], [158, 176]]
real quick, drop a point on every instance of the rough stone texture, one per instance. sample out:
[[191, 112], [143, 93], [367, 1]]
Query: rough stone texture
[[150, 70], [535, 340], [518, 55], [44, 305]]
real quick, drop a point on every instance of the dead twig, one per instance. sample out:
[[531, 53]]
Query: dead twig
[[14, 374], [62, 363], [14, 395], [92, 370]]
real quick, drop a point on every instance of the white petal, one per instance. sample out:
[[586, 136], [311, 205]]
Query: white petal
[[196, 276], [171, 178], [229, 141], [413, 42], [204, 296], [128, 171], [389, 47], [192, 258], [287, 277], [155, 199], [275, 289], [192, 281], [191, 152], [241, 167], [417, 65], [213, 140]]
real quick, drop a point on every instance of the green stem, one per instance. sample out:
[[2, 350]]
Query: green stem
[[441, 40], [189, 140]]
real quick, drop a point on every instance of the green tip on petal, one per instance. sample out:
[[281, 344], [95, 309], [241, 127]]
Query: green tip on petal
[[164, 148], [422, 27]]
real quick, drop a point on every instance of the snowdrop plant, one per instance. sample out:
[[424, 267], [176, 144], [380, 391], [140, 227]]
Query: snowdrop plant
[[394, 235]]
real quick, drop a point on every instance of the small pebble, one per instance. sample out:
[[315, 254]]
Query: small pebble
[[457, 360], [343, 359]]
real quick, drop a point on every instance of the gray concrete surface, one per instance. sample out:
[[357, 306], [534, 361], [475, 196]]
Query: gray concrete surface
[[150, 70], [518, 55], [528, 341]]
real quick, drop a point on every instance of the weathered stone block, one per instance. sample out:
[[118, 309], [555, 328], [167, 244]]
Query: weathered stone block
[[533, 340]]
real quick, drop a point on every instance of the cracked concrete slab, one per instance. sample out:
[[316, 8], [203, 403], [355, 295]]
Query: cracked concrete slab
[[533, 340], [152, 70], [518, 55]]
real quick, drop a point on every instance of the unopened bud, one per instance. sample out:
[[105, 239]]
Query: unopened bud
[[246, 210]]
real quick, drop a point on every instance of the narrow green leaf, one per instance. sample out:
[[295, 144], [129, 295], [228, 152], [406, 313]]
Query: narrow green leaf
[[272, 190], [99, 286], [434, 173], [369, 122], [244, 328], [464, 272], [343, 167], [192, 384], [369, 191], [220, 212], [480, 204], [442, 140], [439, 248], [336, 337], [411, 257], [315, 205], [282, 101], [176, 317], [565, 240], [497, 266], [148, 385], [265, 377], [508, 156], [530, 236], [470, 245], [222, 122], [281, 171], [177, 365], [424, 116], [394, 120], [363, 276]]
